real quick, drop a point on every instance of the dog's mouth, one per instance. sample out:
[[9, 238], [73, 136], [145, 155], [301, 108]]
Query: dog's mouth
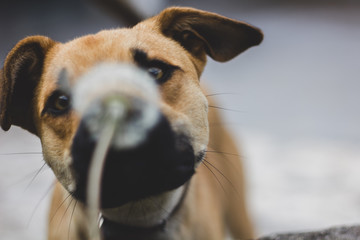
[[163, 162]]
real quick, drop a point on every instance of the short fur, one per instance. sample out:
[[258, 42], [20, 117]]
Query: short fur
[[214, 202]]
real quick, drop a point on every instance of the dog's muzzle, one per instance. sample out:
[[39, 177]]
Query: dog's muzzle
[[145, 156]]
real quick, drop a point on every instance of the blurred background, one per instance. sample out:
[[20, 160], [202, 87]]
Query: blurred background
[[295, 99]]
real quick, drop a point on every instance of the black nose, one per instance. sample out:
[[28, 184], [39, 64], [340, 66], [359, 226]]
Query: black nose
[[164, 161]]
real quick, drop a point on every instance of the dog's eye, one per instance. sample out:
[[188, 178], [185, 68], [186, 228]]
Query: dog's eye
[[61, 103], [161, 72], [156, 72], [58, 103]]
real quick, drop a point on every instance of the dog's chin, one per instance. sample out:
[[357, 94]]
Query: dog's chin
[[144, 217], [146, 213]]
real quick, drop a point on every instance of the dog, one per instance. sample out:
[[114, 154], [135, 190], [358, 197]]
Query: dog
[[159, 179]]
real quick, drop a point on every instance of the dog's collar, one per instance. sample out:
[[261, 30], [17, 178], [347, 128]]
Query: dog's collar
[[134, 232]]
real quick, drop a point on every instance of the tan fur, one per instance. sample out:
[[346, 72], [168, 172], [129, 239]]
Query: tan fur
[[215, 202]]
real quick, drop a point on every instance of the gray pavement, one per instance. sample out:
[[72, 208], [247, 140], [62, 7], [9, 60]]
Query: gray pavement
[[297, 111]]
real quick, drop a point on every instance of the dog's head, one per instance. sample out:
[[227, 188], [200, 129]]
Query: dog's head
[[149, 75]]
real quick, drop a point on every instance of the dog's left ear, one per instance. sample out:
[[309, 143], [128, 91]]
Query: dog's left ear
[[202, 33], [18, 80]]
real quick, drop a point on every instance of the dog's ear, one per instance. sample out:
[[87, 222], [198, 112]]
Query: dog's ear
[[202, 32], [18, 80]]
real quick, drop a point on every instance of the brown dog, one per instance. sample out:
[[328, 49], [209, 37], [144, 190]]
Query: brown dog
[[149, 76]]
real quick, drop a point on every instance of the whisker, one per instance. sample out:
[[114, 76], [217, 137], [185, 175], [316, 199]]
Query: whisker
[[63, 216], [157, 205], [216, 94], [36, 174], [38, 204], [57, 209], [226, 109], [175, 217], [223, 175], [226, 153], [25, 178], [222, 124], [22, 153], [217, 179], [71, 217]]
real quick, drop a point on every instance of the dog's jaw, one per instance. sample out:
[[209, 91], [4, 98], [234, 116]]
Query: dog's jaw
[[148, 212]]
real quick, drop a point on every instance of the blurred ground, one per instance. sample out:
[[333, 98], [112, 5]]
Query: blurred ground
[[297, 119]]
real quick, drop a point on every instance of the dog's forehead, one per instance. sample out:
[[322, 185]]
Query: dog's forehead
[[79, 55]]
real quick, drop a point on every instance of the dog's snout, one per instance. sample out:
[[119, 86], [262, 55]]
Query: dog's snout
[[145, 156]]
